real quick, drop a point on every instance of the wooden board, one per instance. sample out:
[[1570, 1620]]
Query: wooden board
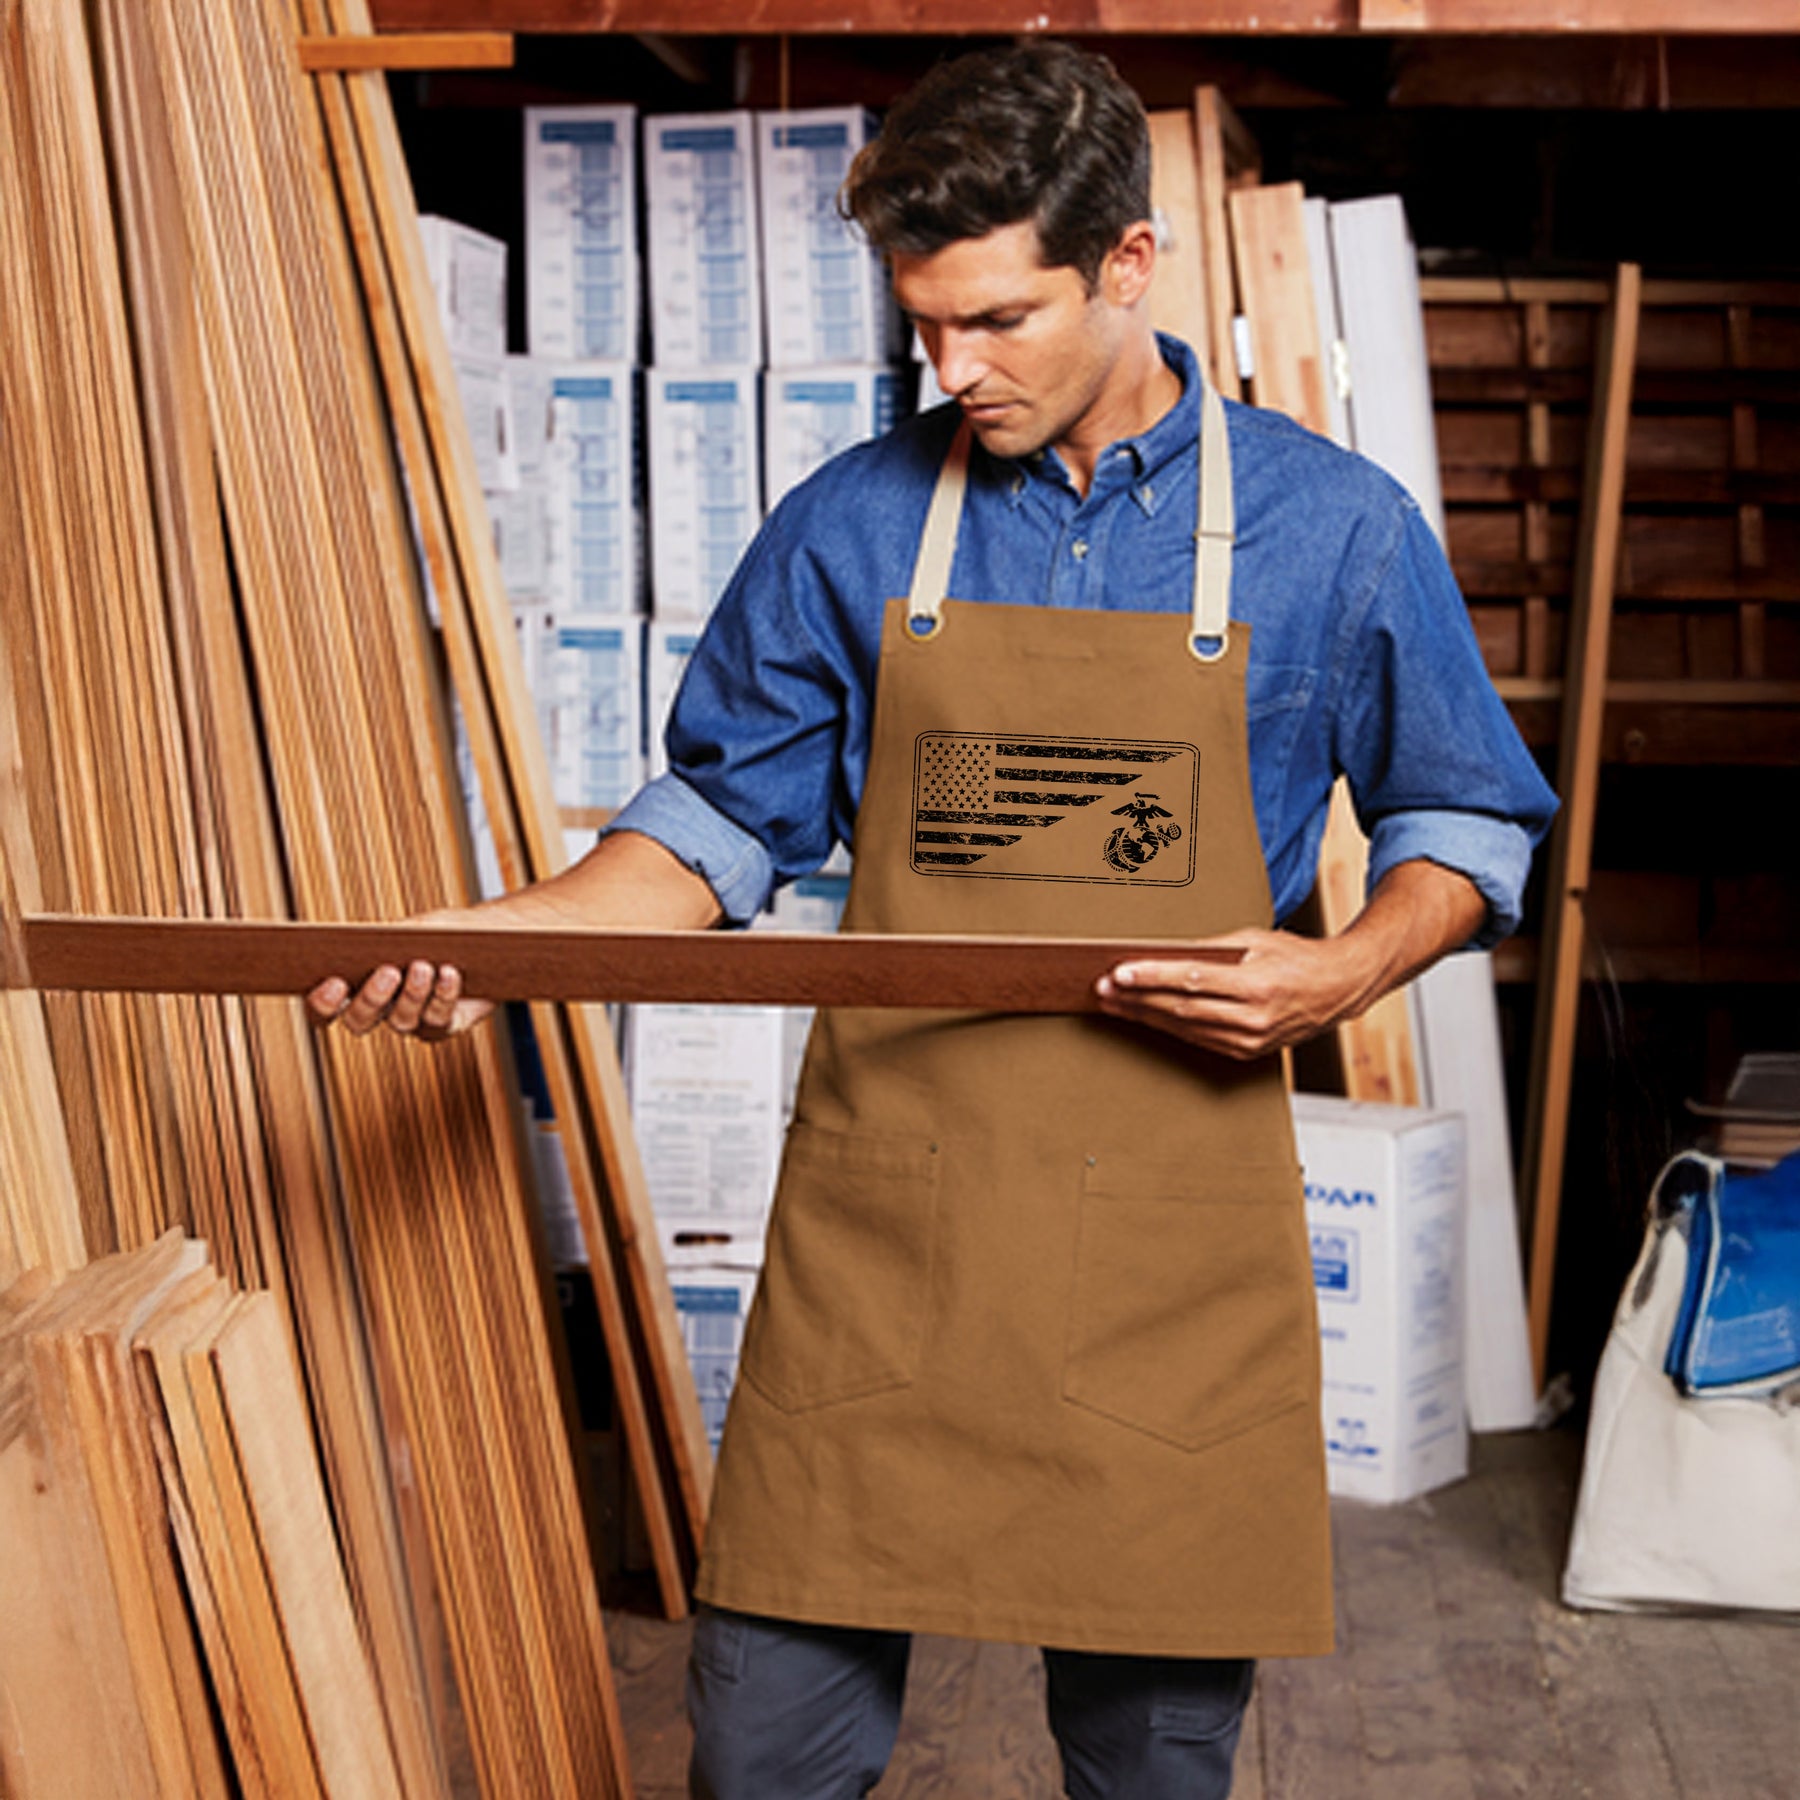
[[1571, 845], [1274, 274], [1225, 156], [1178, 294], [754, 968]]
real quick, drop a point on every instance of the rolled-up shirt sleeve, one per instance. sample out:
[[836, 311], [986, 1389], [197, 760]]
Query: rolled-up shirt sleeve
[[731, 862], [1435, 764]]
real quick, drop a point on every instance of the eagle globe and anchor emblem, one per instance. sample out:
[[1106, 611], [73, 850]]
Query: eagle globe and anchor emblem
[[1148, 828]]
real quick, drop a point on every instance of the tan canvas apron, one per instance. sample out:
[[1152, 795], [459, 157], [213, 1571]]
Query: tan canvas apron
[[1035, 1355]]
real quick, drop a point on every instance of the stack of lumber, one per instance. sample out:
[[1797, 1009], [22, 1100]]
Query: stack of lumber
[[167, 1557], [1325, 303], [224, 699]]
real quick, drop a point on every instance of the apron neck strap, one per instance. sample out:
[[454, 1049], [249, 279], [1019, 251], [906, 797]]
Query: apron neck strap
[[1212, 540]]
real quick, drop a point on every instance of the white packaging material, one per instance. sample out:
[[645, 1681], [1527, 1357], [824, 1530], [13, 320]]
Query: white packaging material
[[468, 276], [593, 562], [521, 525], [704, 1084], [666, 651], [1384, 1205], [581, 244], [700, 203], [704, 493], [809, 415], [827, 290], [486, 393], [711, 1305], [590, 701]]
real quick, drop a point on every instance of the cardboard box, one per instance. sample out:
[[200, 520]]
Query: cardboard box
[[1384, 1206], [704, 491], [700, 200], [809, 415], [468, 275], [813, 903], [581, 239], [826, 289], [704, 1083], [483, 384], [588, 477], [590, 698], [667, 648], [712, 1305]]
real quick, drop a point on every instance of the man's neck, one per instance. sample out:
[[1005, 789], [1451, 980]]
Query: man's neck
[[1144, 390]]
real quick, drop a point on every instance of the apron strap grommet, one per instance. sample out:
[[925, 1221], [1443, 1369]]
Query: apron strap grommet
[[922, 626], [1208, 649]]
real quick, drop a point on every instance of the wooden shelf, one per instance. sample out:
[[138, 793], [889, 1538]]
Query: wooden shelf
[[1558, 19]]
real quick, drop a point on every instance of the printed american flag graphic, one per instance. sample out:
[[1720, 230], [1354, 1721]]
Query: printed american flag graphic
[[1054, 809]]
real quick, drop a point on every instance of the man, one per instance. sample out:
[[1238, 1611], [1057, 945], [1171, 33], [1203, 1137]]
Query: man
[[1034, 1356]]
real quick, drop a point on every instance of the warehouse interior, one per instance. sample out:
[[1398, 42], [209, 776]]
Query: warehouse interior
[[501, 1410]]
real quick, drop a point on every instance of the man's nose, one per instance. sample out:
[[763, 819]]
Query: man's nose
[[960, 365]]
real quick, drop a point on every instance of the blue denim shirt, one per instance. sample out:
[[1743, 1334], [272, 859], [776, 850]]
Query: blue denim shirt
[[1362, 660]]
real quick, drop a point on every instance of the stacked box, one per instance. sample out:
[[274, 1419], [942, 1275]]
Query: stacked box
[[826, 289], [813, 903], [468, 277], [666, 651], [704, 1086], [485, 389], [809, 415], [704, 499], [588, 689], [713, 1287], [1384, 1206], [581, 240], [700, 192]]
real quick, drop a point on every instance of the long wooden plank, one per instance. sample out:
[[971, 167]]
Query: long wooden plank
[[753, 968], [1578, 780], [1224, 153], [407, 50], [1178, 294]]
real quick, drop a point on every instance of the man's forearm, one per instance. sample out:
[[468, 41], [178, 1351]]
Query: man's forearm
[[1418, 912], [626, 880]]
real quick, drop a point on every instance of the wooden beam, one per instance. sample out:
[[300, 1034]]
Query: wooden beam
[[1571, 854], [407, 50], [756, 968], [1214, 18]]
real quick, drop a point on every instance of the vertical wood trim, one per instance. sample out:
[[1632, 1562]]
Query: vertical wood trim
[[1212, 158], [1178, 292], [1584, 699]]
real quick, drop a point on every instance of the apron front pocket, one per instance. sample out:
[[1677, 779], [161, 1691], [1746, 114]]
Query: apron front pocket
[[841, 1307], [1192, 1318]]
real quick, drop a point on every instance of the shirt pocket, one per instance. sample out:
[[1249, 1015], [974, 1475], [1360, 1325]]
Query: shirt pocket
[[841, 1308], [1192, 1317]]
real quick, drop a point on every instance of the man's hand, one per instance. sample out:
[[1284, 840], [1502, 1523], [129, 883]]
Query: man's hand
[[423, 1001], [625, 880], [1286, 988]]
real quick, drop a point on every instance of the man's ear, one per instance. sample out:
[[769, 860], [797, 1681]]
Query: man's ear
[[1130, 264]]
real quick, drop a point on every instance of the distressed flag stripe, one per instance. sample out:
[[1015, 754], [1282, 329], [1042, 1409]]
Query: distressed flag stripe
[[1090, 777], [1083, 753]]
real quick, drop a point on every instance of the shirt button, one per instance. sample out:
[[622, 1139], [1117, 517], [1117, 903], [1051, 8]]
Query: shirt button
[[1079, 547], [1149, 494]]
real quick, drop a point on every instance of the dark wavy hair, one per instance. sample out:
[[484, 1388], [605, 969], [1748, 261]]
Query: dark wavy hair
[[1038, 130]]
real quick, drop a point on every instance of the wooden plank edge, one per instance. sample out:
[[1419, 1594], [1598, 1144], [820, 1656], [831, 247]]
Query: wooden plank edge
[[407, 50], [754, 968]]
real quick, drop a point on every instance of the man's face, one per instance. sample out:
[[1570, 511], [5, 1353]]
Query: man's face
[[1026, 351]]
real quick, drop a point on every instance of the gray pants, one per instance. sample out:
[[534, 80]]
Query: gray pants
[[783, 1711]]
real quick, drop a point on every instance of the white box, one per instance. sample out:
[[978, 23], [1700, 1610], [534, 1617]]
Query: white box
[[809, 415], [590, 703], [666, 652], [468, 275], [593, 557], [1384, 1205], [484, 387], [826, 289], [581, 241], [704, 1084], [711, 1305], [704, 493], [700, 201]]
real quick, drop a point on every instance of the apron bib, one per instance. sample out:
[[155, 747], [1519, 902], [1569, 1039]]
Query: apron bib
[[1035, 1353]]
